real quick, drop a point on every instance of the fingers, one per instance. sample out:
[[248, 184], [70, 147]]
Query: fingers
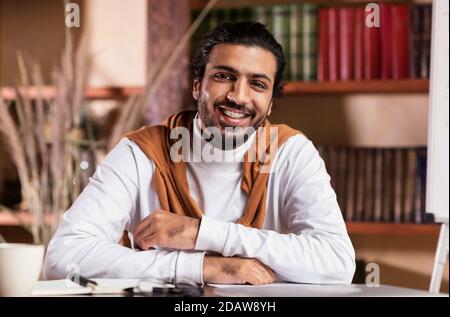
[[146, 242], [148, 222]]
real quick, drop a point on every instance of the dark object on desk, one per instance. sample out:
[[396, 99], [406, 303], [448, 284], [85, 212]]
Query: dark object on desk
[[180, 290], [83, 281], [360, 272], [170, 290]]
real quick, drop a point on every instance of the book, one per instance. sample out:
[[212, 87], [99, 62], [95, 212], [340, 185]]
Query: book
[[281, 32], [309, 41], [369, 177], [371, 46], [360, 173], [351, 183], [67, 287], [296, 31], [398, 184], [415, 40], [346, 42], [400, 40], [425, 42], [323, 49], [420, 185], [409, 181], [359, 44], [333, 44], [341, 176], [386, 47], [263, 14], [388, 185], [378, 185]]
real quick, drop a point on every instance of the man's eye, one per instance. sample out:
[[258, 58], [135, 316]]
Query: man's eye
[[223, 76], [259, 84]]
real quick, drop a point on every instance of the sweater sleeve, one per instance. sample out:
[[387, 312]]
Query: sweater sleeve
[[86, 240], [316, 247]]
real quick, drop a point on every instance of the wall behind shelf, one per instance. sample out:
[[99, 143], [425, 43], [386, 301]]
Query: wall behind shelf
[[388, 120], [34, 28]]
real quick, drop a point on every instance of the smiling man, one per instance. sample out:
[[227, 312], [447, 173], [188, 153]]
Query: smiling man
[[260, 216]]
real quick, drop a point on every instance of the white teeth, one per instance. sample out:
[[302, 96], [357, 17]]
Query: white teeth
[[235, 115]]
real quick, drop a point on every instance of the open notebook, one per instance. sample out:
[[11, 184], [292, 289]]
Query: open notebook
[[67, 287]]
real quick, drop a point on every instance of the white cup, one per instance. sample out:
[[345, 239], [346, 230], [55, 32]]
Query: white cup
[[20, 268]]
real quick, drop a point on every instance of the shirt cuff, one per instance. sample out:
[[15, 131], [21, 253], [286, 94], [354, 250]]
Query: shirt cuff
[[212, 235], [189, 267]]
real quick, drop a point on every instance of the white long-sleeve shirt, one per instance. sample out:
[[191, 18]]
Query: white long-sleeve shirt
[[304, 238]]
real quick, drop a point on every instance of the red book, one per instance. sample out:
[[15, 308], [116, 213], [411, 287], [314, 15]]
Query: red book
[[371, 50], [400, 40], [346, 40], [359, 40], [322, 63], [386, 48], [333, 42]]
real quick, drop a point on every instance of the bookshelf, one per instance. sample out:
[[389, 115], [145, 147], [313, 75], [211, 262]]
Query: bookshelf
[[48, 92], [199, 4], [414, 83], [363, 86], [291, 88], [354, 228]]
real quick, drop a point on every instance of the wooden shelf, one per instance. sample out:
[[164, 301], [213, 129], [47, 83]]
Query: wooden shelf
[[369, 86], [6, 219], [395, 229], [291, 88], [48, 92], [354, 228]]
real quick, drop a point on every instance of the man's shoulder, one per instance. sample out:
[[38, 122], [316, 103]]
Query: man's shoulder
[[296, 149], [294, 144], [128, 154]]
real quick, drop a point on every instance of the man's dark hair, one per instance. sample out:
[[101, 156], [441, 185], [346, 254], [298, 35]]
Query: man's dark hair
[[242, 33]]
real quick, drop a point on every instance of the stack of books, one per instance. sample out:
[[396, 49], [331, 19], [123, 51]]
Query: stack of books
[[341, 43], [378, 184]]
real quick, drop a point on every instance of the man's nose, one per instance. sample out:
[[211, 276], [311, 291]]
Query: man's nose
[[239, 93]]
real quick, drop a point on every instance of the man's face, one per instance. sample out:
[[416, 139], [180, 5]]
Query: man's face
[[236, 89]]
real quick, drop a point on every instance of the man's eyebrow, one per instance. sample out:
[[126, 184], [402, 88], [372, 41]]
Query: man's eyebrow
[[227, 68], [235, 71]]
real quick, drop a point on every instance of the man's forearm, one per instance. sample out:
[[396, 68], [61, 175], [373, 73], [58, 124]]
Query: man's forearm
[[235, 270], [310, 257]]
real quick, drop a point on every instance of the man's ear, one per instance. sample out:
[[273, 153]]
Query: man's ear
[[270, 108], [196, 89]]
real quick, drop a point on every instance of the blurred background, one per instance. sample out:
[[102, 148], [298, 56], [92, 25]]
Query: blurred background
[[68, 93]]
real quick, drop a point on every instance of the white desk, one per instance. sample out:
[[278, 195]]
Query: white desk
[[304, 290], [61, 287]]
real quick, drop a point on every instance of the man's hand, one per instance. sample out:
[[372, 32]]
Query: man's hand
[[166, 230], [235, 270]]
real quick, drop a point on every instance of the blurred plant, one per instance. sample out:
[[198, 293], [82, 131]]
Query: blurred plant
[[49, 138], [52, 140]]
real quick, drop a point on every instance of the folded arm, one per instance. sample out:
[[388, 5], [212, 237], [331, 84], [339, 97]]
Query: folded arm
[[317, 248], [87, 238]]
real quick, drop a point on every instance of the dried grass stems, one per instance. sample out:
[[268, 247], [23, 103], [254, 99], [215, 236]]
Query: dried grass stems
[[49, 137]]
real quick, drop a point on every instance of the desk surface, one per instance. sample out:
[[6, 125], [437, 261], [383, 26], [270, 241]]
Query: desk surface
[[306, 290], [62, 287]]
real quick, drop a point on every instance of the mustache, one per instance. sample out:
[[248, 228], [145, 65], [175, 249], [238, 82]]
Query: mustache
[[232, 104]]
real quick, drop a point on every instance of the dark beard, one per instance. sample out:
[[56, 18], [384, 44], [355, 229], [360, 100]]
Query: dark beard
[[226, 142]]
